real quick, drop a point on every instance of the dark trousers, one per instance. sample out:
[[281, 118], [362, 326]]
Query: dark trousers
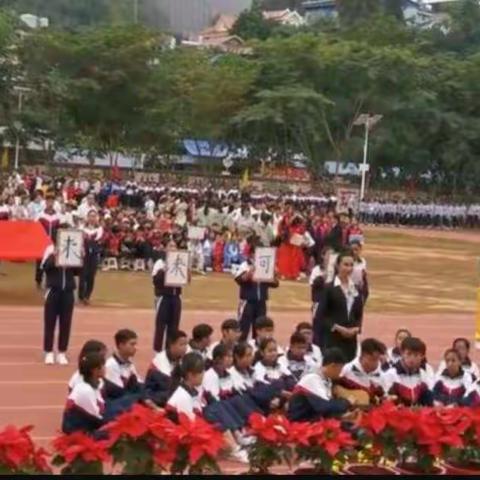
[[168, 312], [58, 306], [87, 280], [38, 273], [248, 312]]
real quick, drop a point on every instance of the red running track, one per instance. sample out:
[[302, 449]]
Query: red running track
[[34, 394]]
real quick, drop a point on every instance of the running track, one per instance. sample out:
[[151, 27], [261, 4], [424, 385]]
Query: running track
[[34, 394]]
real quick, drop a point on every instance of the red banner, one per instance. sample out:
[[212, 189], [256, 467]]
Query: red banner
[[22, 240]]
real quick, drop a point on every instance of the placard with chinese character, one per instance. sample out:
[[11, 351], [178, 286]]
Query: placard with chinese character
[[177, 269], [69, 249], [196, 233], [265, 264]]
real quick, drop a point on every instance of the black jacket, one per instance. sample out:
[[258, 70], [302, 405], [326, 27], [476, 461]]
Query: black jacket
[[59, 278]]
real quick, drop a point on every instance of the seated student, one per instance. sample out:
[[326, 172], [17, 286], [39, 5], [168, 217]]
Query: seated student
[[254, 395], [365, 373], [296, 360], [313, 351], [217, 389], [462, 346], [265, 329], [123, 385], [312, 397], [201, 340], [91, 346], [158, 382], [188, 398], [407, 380], [268, 371], [452, 383], [230, 335], [393, 353], [85, 407]]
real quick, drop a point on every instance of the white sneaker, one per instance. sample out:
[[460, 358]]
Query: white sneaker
[[62, 359], [49, 358], [239, 455]]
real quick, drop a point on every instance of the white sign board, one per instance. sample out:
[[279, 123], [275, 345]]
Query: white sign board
[[69, 249], [177, 268], [265, 264], [196, 233]]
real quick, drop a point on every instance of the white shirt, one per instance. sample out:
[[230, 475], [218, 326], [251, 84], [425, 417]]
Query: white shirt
[[266, 374], [162, 363], [184, 402], [119, 373], [87, 398], [316, 384], [217, 386], [350, 292]]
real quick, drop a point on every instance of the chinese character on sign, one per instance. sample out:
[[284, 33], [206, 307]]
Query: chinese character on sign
[[264, 264], [69, 249], [176, 271]]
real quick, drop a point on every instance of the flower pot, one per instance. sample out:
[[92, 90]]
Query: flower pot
[[368, 469], [307, 471], [456, 469], [413, 469]]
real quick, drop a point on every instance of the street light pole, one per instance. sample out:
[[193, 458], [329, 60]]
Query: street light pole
[[365, 158], [135, 11], [369, 121], [17, 145]]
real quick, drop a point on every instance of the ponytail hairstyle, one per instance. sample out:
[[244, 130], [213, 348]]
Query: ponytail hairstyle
[[191, 363], [88, 364], [92, 346]]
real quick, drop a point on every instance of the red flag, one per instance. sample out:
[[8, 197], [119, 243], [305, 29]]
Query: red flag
[[22, 240]]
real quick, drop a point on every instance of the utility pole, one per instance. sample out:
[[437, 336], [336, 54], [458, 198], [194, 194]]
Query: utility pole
[[135, 12]]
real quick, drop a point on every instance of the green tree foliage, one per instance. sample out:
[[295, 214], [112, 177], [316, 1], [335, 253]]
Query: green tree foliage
[[118, 88], [252, 24]]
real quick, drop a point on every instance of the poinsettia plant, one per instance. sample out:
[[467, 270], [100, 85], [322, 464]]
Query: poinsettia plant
[[413, 437], [466, 423], [198, 444], [138, 440], [80, 454], [272, 443], [321, 443], [18, 454]]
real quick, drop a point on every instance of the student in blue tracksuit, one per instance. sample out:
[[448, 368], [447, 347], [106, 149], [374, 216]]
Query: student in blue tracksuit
[[93, 236], [452, 383], [253, 297], [269, 372], [168, 302], [59, 305], [89, 347], [123, 384], [312, 397], [218, 389], [84, 411], [201, 340], [158, 382]]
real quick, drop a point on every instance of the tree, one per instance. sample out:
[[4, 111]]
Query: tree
[[355, 11], [252, 24], [96, 79]]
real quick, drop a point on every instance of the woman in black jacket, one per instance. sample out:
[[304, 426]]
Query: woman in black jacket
[[338, 319]]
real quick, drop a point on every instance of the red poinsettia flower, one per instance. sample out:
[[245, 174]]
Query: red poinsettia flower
[[301, 433], [376, 419], [79, 445], [335, 438], [273, 429], [164, 455], [199, 436], [16, 446], [402, 420], [134, 424], [40, 461]]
